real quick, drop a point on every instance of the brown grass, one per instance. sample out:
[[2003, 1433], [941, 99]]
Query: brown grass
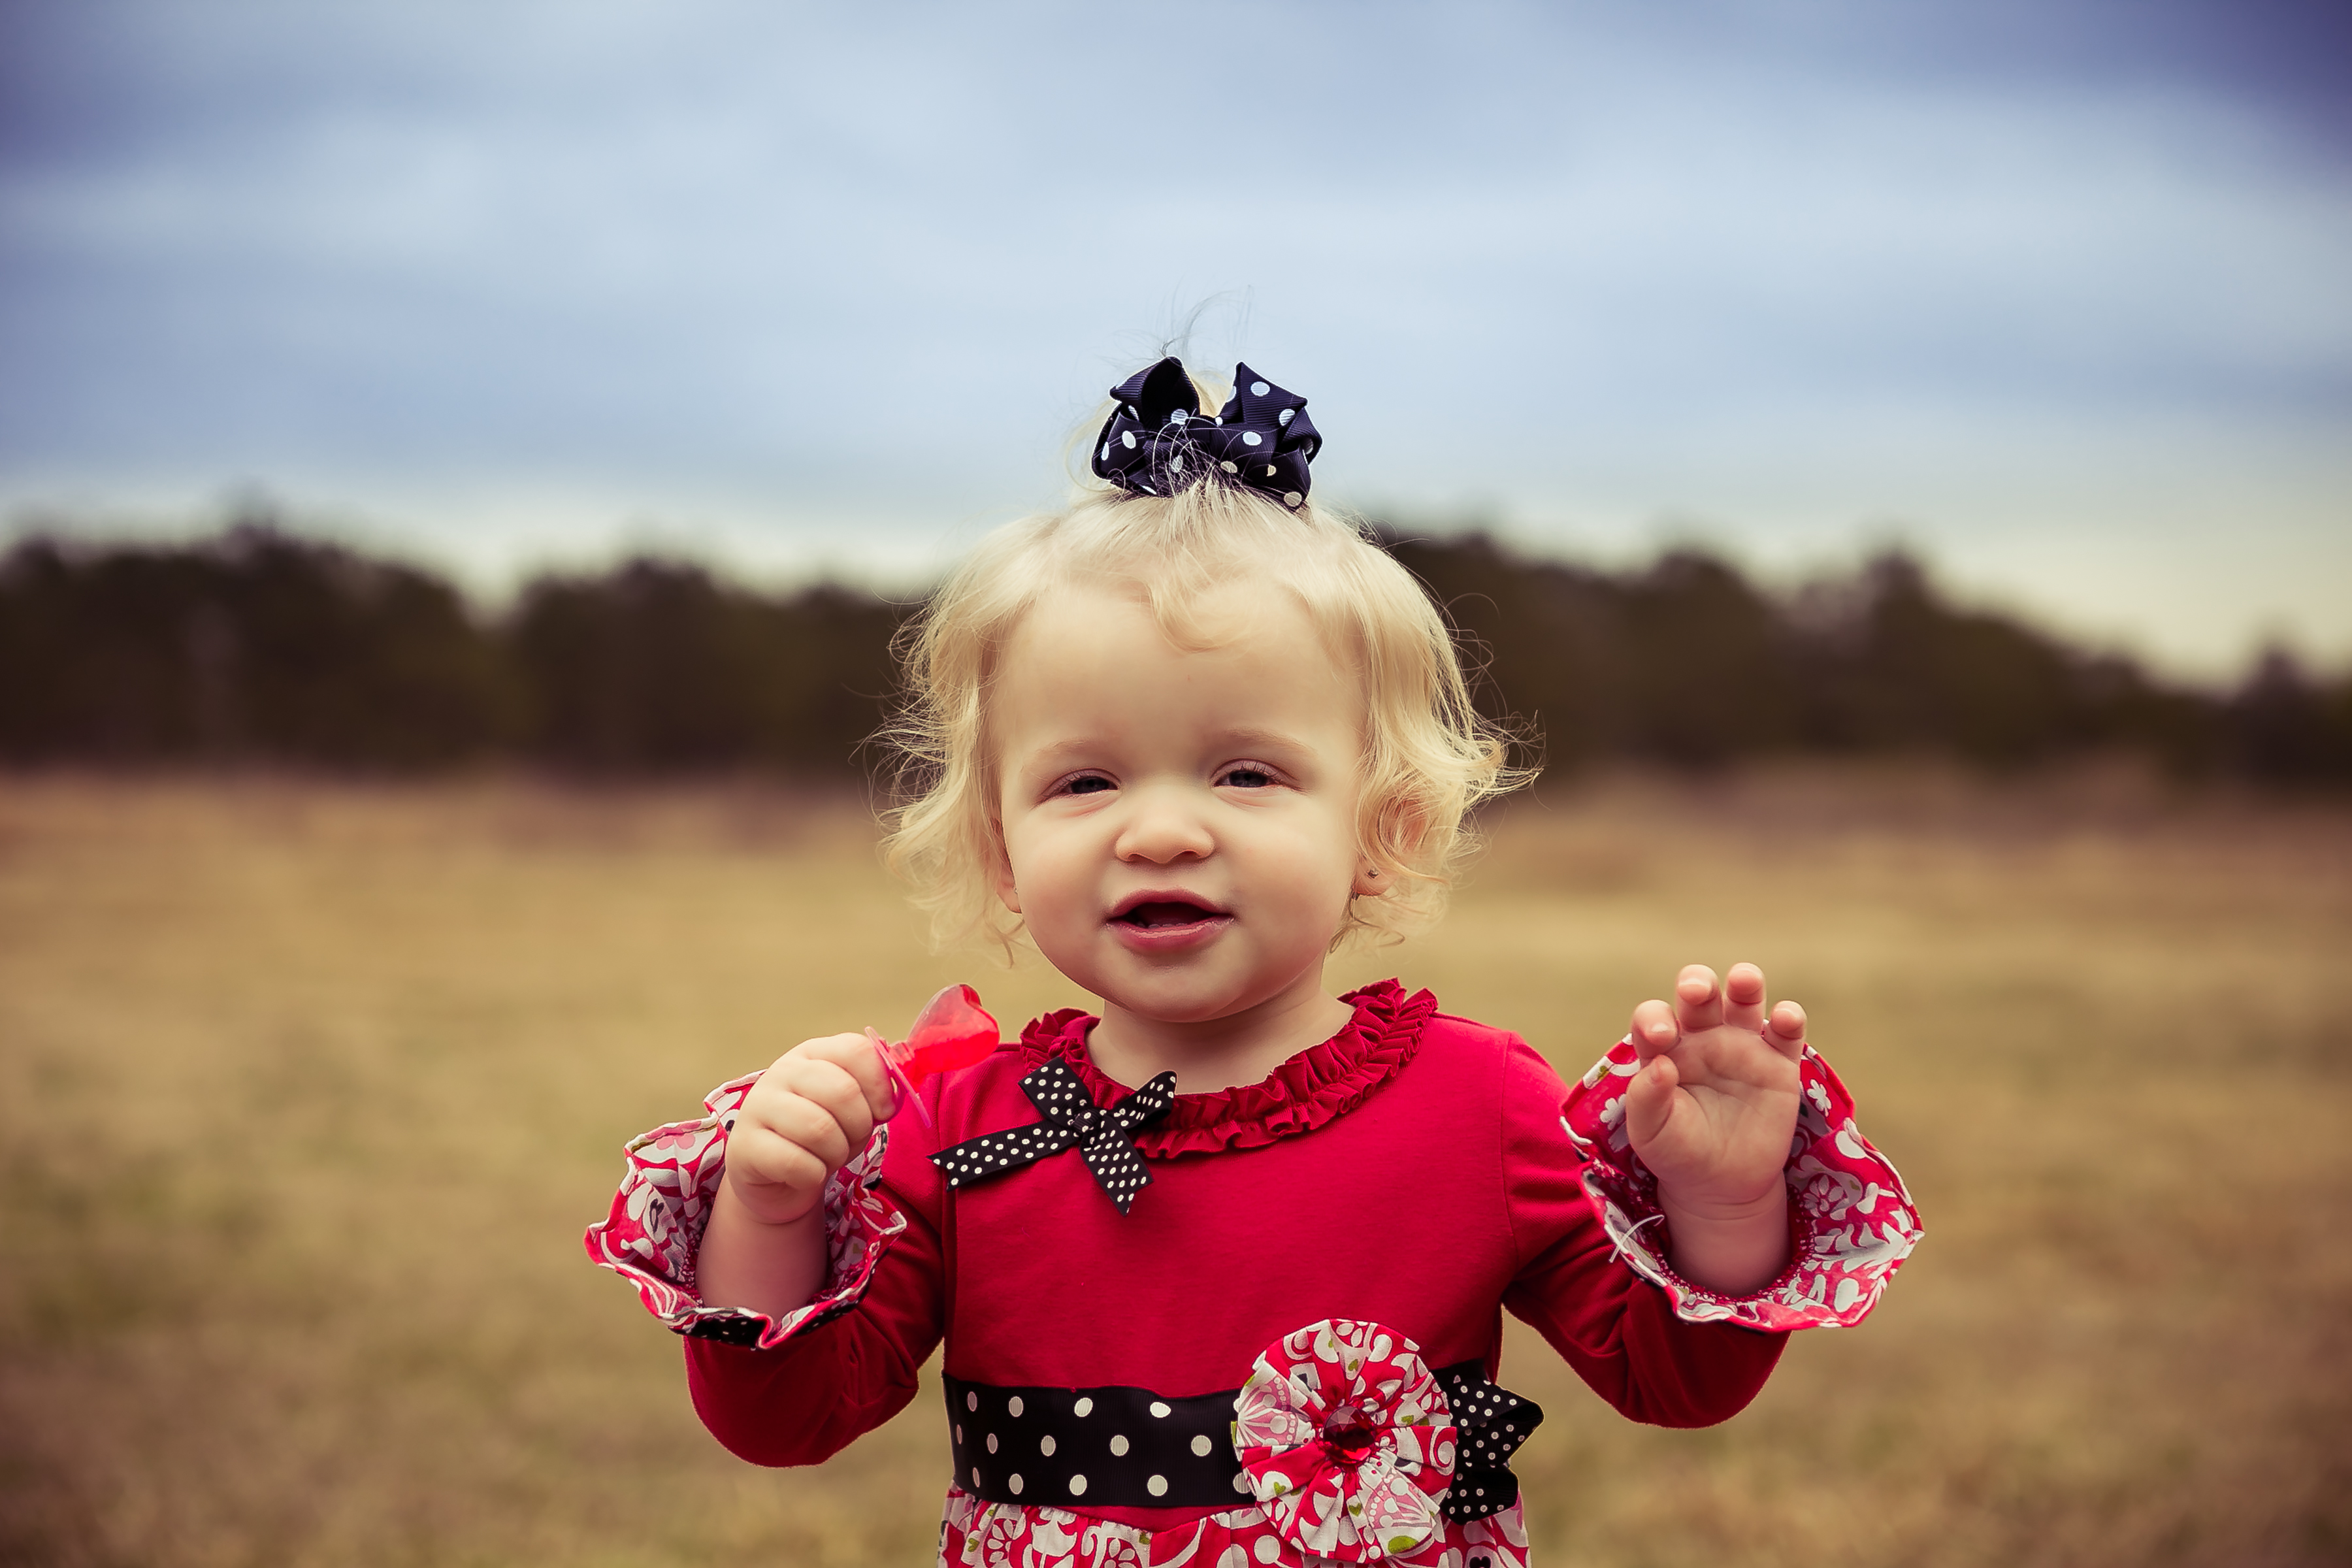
[[306, 1092]]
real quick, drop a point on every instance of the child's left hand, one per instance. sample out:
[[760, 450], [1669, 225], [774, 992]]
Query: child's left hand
[[1711, 1114]]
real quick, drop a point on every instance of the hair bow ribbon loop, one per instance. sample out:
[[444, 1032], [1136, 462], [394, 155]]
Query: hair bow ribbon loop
[[1157, 441]]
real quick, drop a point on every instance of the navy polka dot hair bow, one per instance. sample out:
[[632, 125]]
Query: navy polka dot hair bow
[[1157, 440], [1103, 1136]]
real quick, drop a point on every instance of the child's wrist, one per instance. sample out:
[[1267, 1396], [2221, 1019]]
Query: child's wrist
[[1731, 1247], [1731, 1212], [769, 1266], [760, 1209]]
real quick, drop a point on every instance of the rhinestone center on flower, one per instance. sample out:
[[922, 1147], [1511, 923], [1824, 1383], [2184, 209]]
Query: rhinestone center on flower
[[1350, 1435]]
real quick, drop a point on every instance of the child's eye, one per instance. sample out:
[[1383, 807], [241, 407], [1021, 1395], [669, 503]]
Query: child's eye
[[1085, 784], [1247, 778]]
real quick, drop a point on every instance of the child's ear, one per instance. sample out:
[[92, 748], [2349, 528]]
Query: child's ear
[[1371, 882], [1007, 893]]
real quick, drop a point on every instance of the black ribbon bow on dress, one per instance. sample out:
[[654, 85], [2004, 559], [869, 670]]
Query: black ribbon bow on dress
[[1158, 441], [1104, 1137], [1490, 1423]]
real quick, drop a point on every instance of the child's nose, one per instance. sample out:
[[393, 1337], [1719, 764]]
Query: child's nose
[[1162, 828]]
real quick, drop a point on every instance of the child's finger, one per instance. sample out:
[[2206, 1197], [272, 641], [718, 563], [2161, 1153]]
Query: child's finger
[[1786, 1032], [761, 1157], [1653, 1029], [855, 1055], [1649, 1100], [1743, 993], [826, 1128], [1698, 999], [841, 1096]]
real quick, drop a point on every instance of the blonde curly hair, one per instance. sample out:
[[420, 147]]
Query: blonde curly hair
[[1429, 756]]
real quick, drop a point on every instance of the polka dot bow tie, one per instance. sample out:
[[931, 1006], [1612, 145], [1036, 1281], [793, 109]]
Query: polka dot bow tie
[[1157, 440], [1492, 1422], [1105, 1137]]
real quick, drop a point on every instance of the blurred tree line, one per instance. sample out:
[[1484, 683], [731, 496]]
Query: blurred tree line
[[258, 645]]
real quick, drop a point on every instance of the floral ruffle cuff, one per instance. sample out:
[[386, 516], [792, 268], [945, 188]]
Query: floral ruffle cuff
[[1851, 1222], [655, 1226]]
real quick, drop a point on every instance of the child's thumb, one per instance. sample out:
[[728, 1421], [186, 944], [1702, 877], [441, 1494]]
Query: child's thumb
[[1649, 1100]]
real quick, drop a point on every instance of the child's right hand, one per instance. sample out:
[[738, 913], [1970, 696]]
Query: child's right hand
[[803, 1120]]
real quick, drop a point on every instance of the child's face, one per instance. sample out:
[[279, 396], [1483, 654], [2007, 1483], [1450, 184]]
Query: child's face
[[1179, 827]]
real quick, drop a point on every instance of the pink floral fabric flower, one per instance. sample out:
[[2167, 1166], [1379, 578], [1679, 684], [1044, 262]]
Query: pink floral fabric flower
[[1852, 1220], [1346, 1441]]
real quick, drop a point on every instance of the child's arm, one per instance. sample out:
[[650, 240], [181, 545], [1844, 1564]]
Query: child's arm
[[1611, 1287], [786, 1385], [812, 1396], [766, 1246], [1711, 1114]]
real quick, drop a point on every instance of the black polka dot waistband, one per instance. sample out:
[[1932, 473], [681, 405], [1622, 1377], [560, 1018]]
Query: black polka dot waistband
[[1100, 1447]]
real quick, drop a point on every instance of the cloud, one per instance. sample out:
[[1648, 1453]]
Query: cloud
[[1997, 269]]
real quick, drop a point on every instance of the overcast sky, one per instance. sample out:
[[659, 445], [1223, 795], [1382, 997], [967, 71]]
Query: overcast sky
[[2057, 292]]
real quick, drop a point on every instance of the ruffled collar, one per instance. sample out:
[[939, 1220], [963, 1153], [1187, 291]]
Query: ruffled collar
[[1313, 1087]]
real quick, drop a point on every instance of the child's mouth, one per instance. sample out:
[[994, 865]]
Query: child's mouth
[[1165, 916], [1167, 924]]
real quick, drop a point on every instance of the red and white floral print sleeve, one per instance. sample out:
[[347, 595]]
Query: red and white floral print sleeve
[[657, 1218], [1594, 1277], [797, 1388], [1851, 1222]]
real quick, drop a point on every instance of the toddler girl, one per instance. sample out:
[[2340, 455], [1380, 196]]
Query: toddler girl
[[1218, 1268]]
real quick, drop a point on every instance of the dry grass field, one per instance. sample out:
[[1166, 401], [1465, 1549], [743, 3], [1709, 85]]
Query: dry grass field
[[306, 1092]]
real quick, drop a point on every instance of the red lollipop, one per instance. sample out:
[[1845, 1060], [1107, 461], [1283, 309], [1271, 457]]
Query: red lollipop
[[953, 1030]]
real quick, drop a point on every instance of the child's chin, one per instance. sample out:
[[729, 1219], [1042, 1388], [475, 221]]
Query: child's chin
[[1171, 996], [1197, 998]]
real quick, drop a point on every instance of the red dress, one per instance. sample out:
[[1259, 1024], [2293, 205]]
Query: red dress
[[1364, 1214]]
